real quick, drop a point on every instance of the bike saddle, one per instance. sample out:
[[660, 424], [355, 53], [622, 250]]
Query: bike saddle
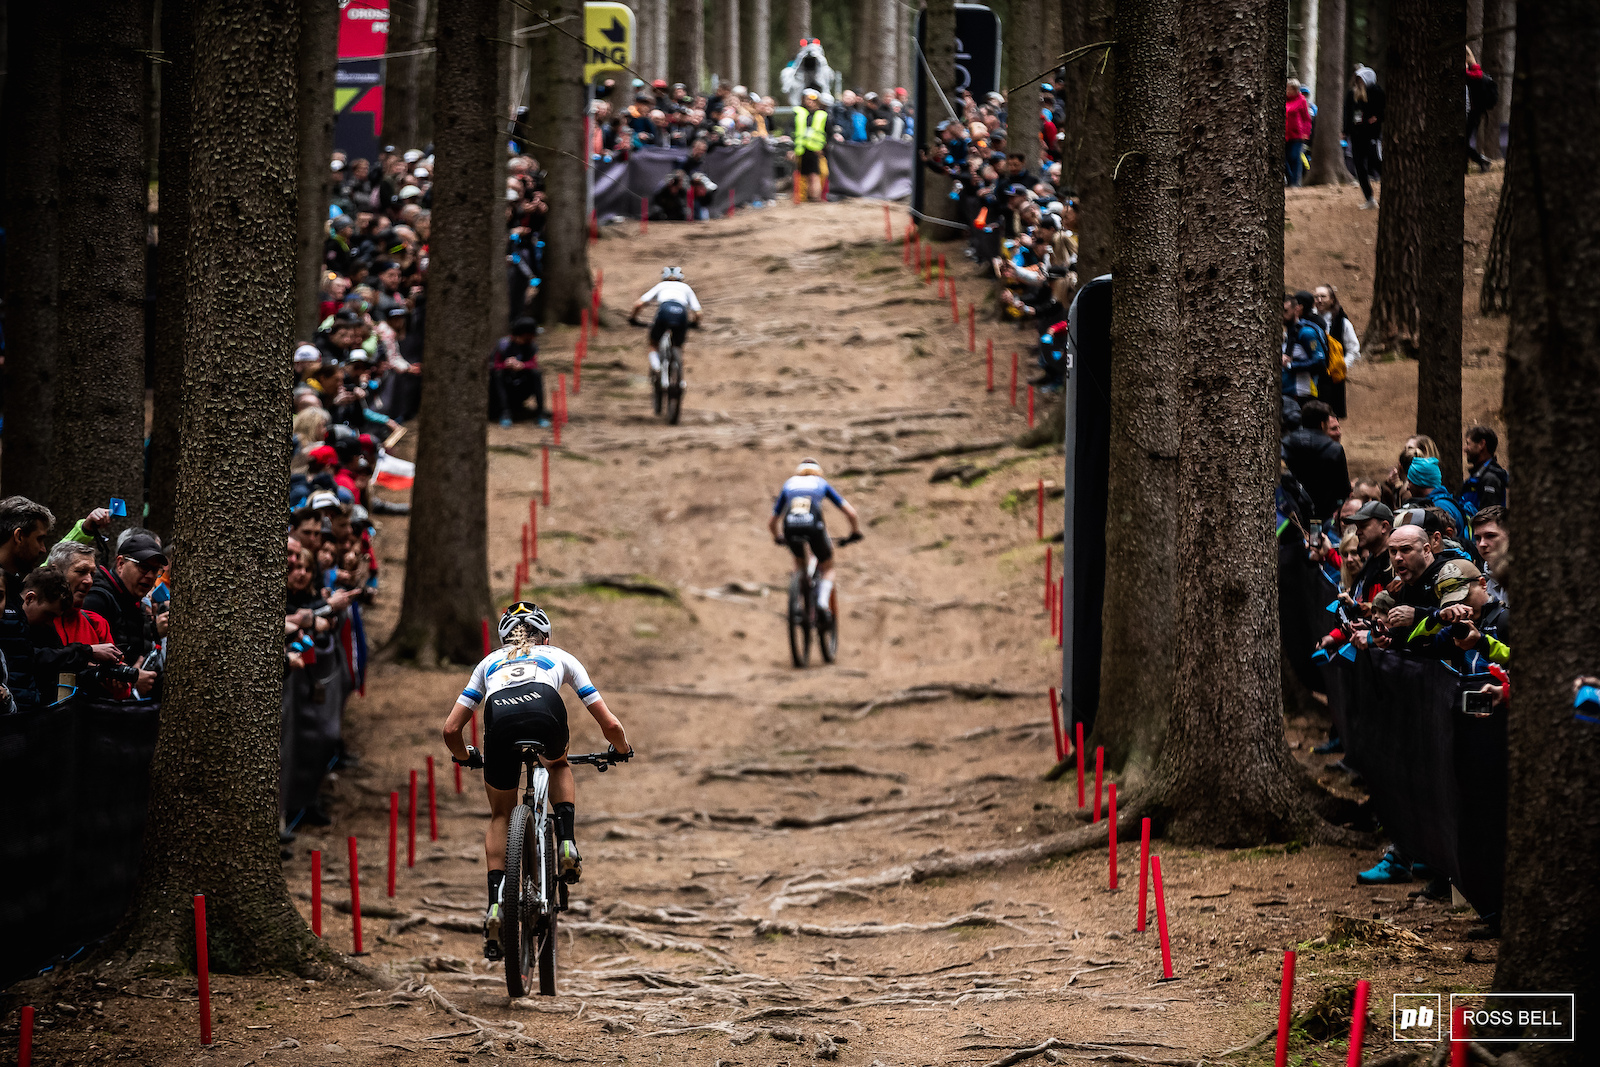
[[535, 747]]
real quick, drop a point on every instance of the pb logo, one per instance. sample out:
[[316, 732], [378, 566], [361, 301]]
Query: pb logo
[[1417, 1017]]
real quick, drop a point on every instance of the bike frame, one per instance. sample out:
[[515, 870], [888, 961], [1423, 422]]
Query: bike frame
[[537, 798]]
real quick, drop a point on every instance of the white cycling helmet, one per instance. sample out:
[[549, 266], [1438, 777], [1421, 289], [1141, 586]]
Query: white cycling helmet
[[809, 466], [672, 274], [524, 613]]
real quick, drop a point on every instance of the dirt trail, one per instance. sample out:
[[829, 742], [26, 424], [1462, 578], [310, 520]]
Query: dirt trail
[[695, 939]]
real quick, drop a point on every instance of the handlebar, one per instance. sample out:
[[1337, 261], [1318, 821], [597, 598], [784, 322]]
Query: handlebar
[[603, 761]]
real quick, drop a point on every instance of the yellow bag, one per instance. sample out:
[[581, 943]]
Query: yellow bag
[[1336, 365]]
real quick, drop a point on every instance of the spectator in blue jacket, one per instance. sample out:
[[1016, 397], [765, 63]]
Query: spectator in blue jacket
[[1305, 348], [1428, 491]]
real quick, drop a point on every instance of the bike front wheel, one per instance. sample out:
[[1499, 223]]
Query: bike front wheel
[[828, 632], [799, 624], [674, 387], [521, 887]]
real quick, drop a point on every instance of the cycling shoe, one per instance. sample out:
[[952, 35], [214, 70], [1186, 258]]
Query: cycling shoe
[[491, 932], [570, 862]]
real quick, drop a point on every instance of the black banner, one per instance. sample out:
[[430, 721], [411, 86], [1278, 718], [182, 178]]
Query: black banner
[[1089, 425], [742, 173], [880, 169]]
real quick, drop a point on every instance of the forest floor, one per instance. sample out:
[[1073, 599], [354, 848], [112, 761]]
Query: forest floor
[[697, 935]]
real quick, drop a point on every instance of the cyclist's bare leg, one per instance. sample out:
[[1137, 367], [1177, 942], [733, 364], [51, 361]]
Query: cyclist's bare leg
[[563, 790], [501, 803]]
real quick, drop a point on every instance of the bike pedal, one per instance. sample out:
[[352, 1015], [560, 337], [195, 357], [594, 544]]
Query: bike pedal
[[491, 951], [572, 877]]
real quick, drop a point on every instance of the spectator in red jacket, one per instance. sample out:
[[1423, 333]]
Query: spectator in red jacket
[[1296, 132]]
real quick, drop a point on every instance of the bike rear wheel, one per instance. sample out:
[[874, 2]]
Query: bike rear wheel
[[828, 632], [547, 926], [674, 386], [521, 884], [799, 624]]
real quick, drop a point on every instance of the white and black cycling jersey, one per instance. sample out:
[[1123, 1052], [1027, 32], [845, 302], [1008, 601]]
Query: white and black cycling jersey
[[673, 292], [506, 667]]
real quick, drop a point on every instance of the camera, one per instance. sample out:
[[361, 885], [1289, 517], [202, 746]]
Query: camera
[[1478, 705]]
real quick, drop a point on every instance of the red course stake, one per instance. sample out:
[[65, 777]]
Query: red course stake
[[1285, 1006], [955, 308], [25, 1038], [1144, 869], [1030, 407], [1112, 828], [458, 778], [202, 966], [394, 837], [485, 635], [1049, 586], [1161, 918], [433, 808], [988, 366], [316, 892], [1013, 379], [1061, 612], [1099, 771], [411, 828], [1078, 748], [533, 530], [972, 328], [1358, 1023], [355, 897], [544, 475], [1055, 724], [1460, 1038], [1041, 509]]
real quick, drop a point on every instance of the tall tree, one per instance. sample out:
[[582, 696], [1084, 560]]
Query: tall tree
[[1327, 146], [939, 51], [755, 38], [318, 57], [859, 73], [1310, 65], [447, 561], [1500, 47], [1416, 290], [686, 54], [103, 208], [1136, 664], [32, 130], [217, 752], [1230, 277], [1090, 159], [172, 261], [798, 23], [886, 46], [663, 24], [1024, 57], [1550, 937], [558, 67], [427, 72], [727, 37]]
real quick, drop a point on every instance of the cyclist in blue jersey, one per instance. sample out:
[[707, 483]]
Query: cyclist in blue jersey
[[519, 686], [676, 308], [797, 522]]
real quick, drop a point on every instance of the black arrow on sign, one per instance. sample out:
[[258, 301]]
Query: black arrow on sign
[[617, 33]]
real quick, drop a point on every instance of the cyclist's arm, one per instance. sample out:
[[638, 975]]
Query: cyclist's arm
[[777, 516], [643, 300], [844, 505], [694, 307], [579, 680], [466, 704]]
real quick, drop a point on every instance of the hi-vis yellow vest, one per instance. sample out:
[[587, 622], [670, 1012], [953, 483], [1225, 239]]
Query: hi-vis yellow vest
[[812, 138]]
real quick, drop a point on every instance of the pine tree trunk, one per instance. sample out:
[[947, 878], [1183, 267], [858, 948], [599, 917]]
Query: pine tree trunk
[[447, 568], [400, 73], [1327, 151], [858, 75], [1136, 665], [318, 56], [427, 73], [727, 38], [1024, 55], [172, 261], [557, 121], [1310, 65], [1093, 160], [755, 38], [32, 131], [686, 58], [663, 35], [1225, 776], [1551, 933], [939, 49], [885, 46], [98, 422], [906, 63], [214, 779], [798, 23], [1500, 64]]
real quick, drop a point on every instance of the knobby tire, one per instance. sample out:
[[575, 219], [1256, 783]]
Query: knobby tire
[[828, 637], [515, 935], [675, 386], [799, 624], [547, 927]]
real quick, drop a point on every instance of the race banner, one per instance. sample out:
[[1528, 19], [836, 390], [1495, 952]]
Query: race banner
[[358, 82]]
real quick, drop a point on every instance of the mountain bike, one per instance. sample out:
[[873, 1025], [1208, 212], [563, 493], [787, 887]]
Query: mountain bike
[[534, 893], [666, 386], [803, 616]]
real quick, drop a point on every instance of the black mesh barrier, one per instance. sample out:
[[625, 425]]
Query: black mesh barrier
[[742, 173], [880, 169]]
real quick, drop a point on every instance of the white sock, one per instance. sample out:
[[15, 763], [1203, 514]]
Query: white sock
[[824, 591], [655, 362]]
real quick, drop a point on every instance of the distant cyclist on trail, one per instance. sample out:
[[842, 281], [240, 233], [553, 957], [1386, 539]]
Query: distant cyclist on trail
[[798, 510], [677, 308], [519, 686]]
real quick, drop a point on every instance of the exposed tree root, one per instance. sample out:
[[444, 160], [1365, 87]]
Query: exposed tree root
[[927, 694], [855, 930], [833, 818], [772, 770], [632, 935]]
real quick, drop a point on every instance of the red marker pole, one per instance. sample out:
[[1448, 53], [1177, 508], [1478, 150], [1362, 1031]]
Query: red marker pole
[[1358, 1023], [202, 966], [458, 773], [1055, 723], [433, 806], [1030, 407], [1144, 869], [25, 1038], [1050, 606], [1112, 830], [533, 530], [1049, 565], [972, 328], [355, 897], [1285, 1000], [1061, 612], [1041, 509], [485, 635], [394, 837], [1078, 747], [1161, 918], [544, 475], [1013, 379], [316, 892], [411, 827], [1460, 1038], [1099, 772], [988, 366]]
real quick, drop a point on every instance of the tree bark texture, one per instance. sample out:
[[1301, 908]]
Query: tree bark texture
[[726, 36], [557, 121], [663, 16], [1327, 149], [98, 418], [755, 39], [1416, 297], [1092, 159], [447, 568], [317, 59], [406, 20], [1550, 934], [686, 29], [1230, 266], [1499, 61], [1023, 41], [939, 50], [1136, 663], [427, 72], [1310, 66], [214, 780], [172, 261], [886, 44], [859, 72], [32, 124], [798, 24]]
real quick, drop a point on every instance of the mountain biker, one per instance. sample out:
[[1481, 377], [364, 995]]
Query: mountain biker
[[799, 510], [519, 686], [677, 308]]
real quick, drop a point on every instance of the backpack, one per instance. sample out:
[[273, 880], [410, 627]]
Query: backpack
[[1336, 365]]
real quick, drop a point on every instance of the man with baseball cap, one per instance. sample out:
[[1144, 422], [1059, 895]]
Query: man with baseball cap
[[118, 590]]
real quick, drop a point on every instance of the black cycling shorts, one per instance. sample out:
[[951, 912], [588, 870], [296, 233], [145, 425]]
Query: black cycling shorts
[[810, 162], [532, 711], [673, 316], [815, 535]]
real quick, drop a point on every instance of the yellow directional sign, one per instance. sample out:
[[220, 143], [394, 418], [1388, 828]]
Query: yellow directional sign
[[608, 31]]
